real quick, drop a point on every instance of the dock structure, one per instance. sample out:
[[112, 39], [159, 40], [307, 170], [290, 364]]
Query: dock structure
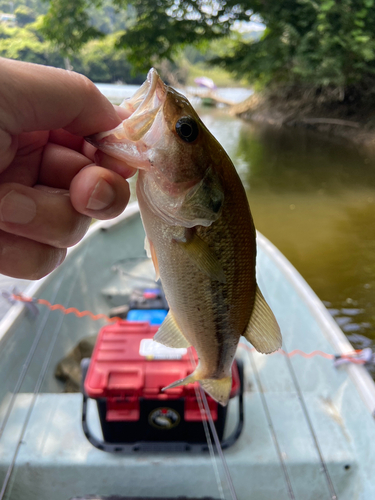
[[210, 95]]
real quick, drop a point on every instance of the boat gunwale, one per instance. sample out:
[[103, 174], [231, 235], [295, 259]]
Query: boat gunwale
[[333, 333], [361, 378]]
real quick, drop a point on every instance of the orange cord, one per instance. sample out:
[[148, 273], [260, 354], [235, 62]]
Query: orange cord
[[309, 355], [96, 317], [70, 310]]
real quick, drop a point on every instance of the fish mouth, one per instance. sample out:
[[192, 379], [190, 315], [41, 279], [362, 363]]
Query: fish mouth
[[127, 141]]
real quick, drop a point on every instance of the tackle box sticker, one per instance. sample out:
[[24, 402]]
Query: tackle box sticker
[[153, 350], [164, 418]]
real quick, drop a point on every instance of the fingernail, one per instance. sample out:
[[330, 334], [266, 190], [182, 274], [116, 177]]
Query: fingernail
[[17, 208], [102, 196]]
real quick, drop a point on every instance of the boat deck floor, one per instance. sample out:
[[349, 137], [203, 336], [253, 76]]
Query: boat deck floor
[[293, 446]]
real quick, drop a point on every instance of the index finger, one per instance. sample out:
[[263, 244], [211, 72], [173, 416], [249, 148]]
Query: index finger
[[36, 97]]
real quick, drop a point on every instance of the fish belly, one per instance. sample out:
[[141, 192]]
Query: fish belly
[[211, 314]]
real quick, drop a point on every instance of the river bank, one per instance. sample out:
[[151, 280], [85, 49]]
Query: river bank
[[295, 108]]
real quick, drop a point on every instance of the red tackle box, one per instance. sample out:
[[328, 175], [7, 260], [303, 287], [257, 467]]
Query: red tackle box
[[125, 376]]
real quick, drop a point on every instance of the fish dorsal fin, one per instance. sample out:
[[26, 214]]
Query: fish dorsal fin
[[151, 254], [203, 257], [170, 335], [263, 332]]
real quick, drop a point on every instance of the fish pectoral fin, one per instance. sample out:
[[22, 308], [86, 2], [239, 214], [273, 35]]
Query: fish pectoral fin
[[218, 389], [150, 251], [203, 257], [263, 332], [170, 335]]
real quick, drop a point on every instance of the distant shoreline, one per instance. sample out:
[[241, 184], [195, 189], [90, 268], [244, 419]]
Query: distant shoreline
[[333, 119]]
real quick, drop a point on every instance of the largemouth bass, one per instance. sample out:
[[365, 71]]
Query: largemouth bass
[[200, 233]]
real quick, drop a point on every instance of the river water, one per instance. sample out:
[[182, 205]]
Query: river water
[[314, 198]]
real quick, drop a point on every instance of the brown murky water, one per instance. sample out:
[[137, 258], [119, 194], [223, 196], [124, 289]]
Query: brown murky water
[[314, 198]]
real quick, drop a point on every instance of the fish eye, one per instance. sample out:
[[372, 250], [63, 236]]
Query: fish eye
[[187, 128]]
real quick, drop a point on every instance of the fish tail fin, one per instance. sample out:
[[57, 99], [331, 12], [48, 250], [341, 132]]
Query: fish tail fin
[[218, 389]]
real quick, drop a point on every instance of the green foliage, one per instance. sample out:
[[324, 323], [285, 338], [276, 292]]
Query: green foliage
[[155, 30], [73, 29], [67, 25], [322, 42], [163, 27], [340, 48], [315, 42], [101, 62], [26, 45], [24, 15], [36, 6], [109, 18]]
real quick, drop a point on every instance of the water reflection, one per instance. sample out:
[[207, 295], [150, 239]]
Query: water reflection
[[314, 198], [291, 160]]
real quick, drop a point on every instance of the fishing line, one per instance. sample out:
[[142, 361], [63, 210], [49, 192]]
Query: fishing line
[[271, 427], [134, 276], [31, 407], [218, 445], [330, 485], [209, 442], [26, 364], [117, 268], [314, 436], [36, 392], [206, 412]]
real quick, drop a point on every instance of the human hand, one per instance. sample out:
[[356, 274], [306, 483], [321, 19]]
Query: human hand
[[50, 185]]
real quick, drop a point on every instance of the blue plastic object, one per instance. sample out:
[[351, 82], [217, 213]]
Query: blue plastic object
[[153, 316]]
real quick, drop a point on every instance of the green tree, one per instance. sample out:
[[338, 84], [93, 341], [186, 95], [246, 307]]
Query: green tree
[[155, 30], [24, 43], [37, 7], [24, 15], [322, 42], [101, 62], [66, 24]]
